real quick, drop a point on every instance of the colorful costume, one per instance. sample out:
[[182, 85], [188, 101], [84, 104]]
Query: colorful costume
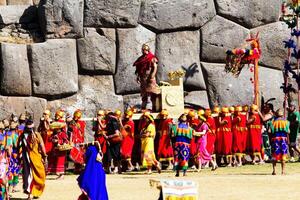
[[255, 137], [34, 175], [92, 180], [165, 150], [201, 141], [128, 141], [147, 146], [279, 142], [182, 135]]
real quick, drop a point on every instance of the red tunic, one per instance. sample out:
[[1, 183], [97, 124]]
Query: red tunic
[[99, 131], [254, 136], [57, 158], [77, 131], [128, 141], [239, 131], [224, 137], [193, 147], [165, 150], [46, 134], [211, 135]]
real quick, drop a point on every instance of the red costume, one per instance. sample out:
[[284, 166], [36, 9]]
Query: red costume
[[224, 136], [165, 150], [100, 131], [239, 131], [77, 127], [254, 136], [57, 158], [193, 147], [128, 141], [211, 135], [46, 133]]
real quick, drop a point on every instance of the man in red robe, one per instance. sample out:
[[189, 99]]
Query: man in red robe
[[99, 127], [255, 134], [128, 140], [224, 146], [193, 123], [211, 134], [146, 69], [44, 129], [77, 126], [165, 149], [239, 130]]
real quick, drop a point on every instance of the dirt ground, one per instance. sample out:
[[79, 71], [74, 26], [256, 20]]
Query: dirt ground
[[246, 183]]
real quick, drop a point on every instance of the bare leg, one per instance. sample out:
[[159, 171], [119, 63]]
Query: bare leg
[[283, 167], [274, 167], [199, 165], [130, 166]]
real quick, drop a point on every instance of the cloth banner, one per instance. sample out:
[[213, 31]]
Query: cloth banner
[[179, 190]]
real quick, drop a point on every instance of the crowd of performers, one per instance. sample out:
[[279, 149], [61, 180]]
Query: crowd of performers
[[198, 139]]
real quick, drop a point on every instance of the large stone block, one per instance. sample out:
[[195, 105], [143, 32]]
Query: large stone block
[[54, 68], [249, 13], [196, 99], [2, 2], [96, 92], [225, 90], [272, 46], [15, 73], [168, 15], [19, 2], [111, 13], [97, 51], [217, 37], [61, 18], [132, 100], [130, 44], [180, 50], [15, 14], [17, 105]]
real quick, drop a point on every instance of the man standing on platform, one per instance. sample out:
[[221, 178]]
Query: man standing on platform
[[146, 69]]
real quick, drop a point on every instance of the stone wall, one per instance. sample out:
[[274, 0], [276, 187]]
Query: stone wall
[[79, 53]]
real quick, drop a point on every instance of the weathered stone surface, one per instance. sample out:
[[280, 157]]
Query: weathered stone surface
[[132, 100], [249, 13], [15, 73], [14, 14], [130, 44], [97, 51], [19, 2], [2, 2], [180, 50], [197, 98], [217, 37], [17, 105], [173, 14], [271, 42], [111, 13], [96, 92], [61, 18], [225, 90], [54, 68]]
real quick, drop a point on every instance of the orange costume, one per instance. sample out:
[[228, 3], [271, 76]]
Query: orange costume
[[239, 131], [211, 134], [77, 126], [165, 150], [45, 131], [128, 141]]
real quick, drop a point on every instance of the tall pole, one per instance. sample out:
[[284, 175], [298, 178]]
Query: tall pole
[[297, 21], [256, 83]]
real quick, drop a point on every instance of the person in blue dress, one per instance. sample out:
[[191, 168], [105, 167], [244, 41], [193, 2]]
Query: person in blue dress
[[92, 180]]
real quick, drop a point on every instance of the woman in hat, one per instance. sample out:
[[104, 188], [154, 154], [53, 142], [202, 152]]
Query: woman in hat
[[182, 135], [34, 157], [279, 130], [147, 139], [200, 134]]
